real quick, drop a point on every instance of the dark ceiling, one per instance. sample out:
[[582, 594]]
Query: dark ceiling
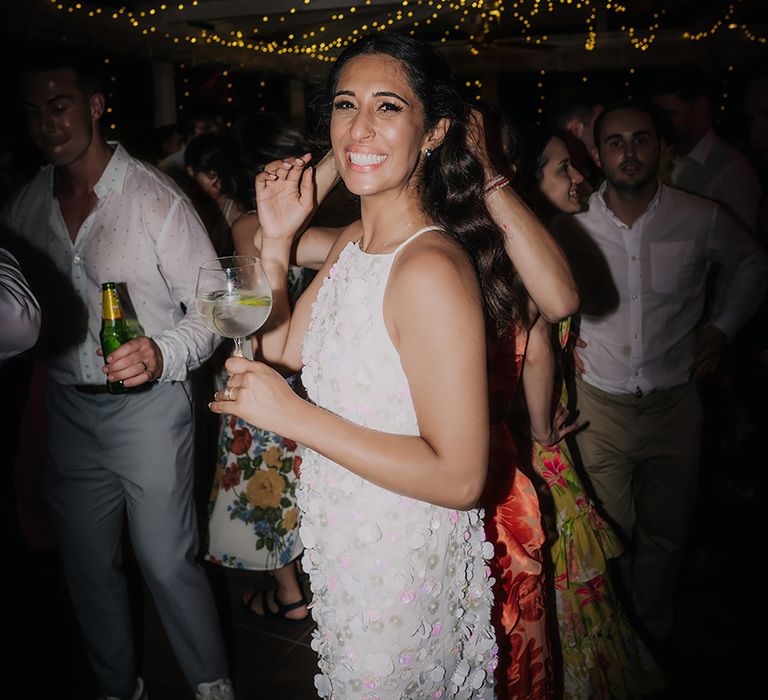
[[298, 37]]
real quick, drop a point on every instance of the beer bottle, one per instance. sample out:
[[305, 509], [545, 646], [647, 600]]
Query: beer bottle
[[114, 330]]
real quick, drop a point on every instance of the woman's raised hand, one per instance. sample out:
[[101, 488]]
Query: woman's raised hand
[[285, 197]]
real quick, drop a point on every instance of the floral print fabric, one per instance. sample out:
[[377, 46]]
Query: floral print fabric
[[514, 527], [602, 656], [254, 516], [401, 587], [253, 513]]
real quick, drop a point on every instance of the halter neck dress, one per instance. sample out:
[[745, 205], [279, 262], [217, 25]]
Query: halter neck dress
[[401, 587]]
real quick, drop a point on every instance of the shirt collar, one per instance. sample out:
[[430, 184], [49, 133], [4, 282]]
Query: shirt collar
[[700, 152], [113, 177], [599, 196]]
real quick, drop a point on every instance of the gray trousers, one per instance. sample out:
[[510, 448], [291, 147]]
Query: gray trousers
[[642, 458], [112, 456]]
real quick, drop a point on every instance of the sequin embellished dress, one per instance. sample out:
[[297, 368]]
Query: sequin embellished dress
[[400, 587]]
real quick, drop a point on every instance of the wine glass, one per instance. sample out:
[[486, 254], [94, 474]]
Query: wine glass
[[233, 297]]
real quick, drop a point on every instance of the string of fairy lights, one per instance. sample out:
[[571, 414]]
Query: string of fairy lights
[[112, 79], [470, 20], [340, 28]]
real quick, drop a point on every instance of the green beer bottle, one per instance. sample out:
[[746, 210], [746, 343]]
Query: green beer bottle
[[114, 330]]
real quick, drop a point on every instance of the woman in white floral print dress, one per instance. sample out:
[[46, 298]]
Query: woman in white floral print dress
[[254, 523], [391, 335]]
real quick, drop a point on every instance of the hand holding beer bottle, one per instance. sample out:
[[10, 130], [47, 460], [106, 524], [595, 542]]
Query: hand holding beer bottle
[[137, 360]]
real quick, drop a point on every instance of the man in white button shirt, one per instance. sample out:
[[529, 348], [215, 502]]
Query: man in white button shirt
[[640, 256], [100, 215], [704, 163]]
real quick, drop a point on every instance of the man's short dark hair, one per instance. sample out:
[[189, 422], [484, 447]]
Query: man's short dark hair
[[640, 105], [578, 102], [86, 66], [688, 82]]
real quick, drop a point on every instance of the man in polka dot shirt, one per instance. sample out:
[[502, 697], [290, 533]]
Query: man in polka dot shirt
[[100, 215]]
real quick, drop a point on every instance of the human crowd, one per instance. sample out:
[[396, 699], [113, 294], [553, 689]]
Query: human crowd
[[472, 420]]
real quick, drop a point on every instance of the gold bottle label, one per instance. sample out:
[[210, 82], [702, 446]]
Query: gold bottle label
[[111, 309]]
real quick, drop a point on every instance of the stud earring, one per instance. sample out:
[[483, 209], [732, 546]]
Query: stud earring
[[427, 152]]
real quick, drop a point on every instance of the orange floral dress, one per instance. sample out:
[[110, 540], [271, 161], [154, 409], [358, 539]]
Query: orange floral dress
[[513, 524]]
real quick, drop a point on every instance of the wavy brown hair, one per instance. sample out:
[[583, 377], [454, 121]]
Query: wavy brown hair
[[452, 179]]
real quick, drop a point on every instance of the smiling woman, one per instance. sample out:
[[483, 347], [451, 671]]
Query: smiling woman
[[391, 335], [397, 432], [377, 135]]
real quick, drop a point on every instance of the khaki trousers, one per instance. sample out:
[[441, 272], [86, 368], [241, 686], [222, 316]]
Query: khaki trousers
[[642, 458]]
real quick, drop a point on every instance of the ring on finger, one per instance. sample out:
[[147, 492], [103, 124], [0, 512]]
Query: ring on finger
[[227, 393]]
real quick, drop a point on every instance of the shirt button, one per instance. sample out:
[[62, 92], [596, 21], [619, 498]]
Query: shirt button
[[76, 259], [634, 297], [633, 258]]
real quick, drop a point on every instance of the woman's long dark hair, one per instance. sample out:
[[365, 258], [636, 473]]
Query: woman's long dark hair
[[452, 181], [530, 162], [218, 154], [263, 137]]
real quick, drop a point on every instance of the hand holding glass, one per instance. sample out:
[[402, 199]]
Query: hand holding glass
[[233, 297]]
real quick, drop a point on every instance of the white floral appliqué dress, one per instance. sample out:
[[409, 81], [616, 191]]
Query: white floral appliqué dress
[[401, 587]]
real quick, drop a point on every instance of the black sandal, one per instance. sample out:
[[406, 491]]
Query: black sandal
[[282, 608]]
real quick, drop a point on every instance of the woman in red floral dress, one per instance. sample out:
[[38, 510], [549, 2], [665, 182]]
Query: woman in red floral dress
[[513, 524]]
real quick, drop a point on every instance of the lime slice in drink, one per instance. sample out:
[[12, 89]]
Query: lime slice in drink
[[255, 301]]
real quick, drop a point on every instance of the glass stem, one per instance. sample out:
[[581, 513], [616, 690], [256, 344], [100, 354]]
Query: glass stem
[[238, 352]]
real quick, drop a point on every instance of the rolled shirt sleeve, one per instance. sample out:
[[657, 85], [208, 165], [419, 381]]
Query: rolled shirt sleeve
[[182, 247]]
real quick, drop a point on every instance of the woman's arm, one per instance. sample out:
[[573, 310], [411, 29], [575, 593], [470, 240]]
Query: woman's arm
[[326, 177], [310, 249], [547, 426], [540, 262], [314, 244], [285, 198], [244, 234], [539, 378], [433, 313]]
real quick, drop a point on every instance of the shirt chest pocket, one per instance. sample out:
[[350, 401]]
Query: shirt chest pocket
[[672, 266]]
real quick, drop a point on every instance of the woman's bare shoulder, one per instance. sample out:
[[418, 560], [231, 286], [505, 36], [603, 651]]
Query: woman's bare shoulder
[[433, 268], [434, 252]]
